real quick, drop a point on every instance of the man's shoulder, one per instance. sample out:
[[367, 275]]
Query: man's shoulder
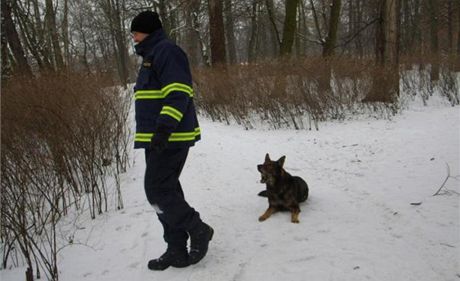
[[167, 49], [167, 45]]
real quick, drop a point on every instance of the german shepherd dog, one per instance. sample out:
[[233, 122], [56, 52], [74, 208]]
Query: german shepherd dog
[[284, 191]]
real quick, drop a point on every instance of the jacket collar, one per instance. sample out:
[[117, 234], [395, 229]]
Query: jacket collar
[[149, 42]]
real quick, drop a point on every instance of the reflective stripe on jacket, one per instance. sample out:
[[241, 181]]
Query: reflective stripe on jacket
[[163, 94]]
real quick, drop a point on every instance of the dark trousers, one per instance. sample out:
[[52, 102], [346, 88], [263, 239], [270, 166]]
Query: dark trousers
[[164, 193]]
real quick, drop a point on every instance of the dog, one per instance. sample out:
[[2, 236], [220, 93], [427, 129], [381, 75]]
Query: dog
[[284, 191]]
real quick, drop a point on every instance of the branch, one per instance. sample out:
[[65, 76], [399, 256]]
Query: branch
[[448, 176], [271, 17], [357, 33], [315, 16]]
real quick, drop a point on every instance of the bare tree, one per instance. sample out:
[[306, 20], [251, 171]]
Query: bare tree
[[65, 32], [290, 23], [229, 31], [12, 38], [331, 40], [387, 39], [113, 10], [192, 39], [216, 32], [254, 27], [458, 27], [50, 20]]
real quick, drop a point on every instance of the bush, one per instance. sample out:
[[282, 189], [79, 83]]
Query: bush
[[62, 135], [300, 93]]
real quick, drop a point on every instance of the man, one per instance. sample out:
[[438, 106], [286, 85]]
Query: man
[[166, 127]]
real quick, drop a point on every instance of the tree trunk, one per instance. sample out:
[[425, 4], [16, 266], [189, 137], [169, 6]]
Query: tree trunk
[[53, 34], [317, 25], [391, 32], [272, 18], [387, 35], [163, 11], [385, 84], [216, 32], [329, 45], [33, 34], [290, 23], [5, 67], [359, 20], [269, 43], [65, 32], [192, 39], [204, 50], [12, 37], [298, 39], [450, 25], [351, 17], [434, 20], [458, 31], [112, 11], [304, 30], [84, 56], [252, 45], [416, 31], [229, 31], [123, 62], [434, 40]]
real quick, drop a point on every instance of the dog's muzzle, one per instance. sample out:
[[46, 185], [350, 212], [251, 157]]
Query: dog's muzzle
[[263, 177]]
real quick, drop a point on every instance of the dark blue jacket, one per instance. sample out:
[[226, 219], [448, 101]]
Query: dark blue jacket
[[163, 94]]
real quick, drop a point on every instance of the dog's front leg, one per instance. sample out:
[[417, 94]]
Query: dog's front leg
[[267, 213], [295, 211]]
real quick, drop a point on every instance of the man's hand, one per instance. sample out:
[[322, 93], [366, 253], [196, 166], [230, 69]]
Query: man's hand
[[159, 142]]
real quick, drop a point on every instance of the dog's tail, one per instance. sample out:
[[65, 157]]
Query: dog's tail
[[263, 193], [302, 189], [303, 193]]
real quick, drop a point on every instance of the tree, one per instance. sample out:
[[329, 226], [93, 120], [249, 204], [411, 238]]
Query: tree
[[458, 35], [11, 36], [385, 80], [387, 38], [331, 40], [216, 32], [289, 29], [253, 27], [50, 20], [113, 13], [192, 40], [229, 31]]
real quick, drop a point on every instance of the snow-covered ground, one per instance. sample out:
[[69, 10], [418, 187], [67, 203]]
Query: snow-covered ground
[[358, 223]]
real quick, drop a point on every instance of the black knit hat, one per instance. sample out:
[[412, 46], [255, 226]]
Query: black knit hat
[[146, 22]]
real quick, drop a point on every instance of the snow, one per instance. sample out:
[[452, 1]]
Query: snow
[[358, 223]]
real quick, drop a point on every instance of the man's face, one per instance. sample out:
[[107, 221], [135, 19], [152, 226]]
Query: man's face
[[138, 36]]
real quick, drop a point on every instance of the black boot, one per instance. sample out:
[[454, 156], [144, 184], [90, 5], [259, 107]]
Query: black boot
[[200, 236], [172, 257]]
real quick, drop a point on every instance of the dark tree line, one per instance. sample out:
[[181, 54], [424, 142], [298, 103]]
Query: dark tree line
[[93, 35]]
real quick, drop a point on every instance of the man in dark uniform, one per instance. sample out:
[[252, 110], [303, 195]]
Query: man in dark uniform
[[166, 127]]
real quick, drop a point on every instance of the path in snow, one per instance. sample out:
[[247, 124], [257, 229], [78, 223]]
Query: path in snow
[[358, 223]]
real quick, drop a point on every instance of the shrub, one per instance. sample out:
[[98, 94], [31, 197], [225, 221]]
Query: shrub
[[62, 135]]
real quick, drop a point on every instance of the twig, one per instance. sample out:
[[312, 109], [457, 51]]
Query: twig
[[448, 176]]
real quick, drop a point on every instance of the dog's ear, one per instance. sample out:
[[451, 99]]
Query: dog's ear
[[267, 158], [281, 161]]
